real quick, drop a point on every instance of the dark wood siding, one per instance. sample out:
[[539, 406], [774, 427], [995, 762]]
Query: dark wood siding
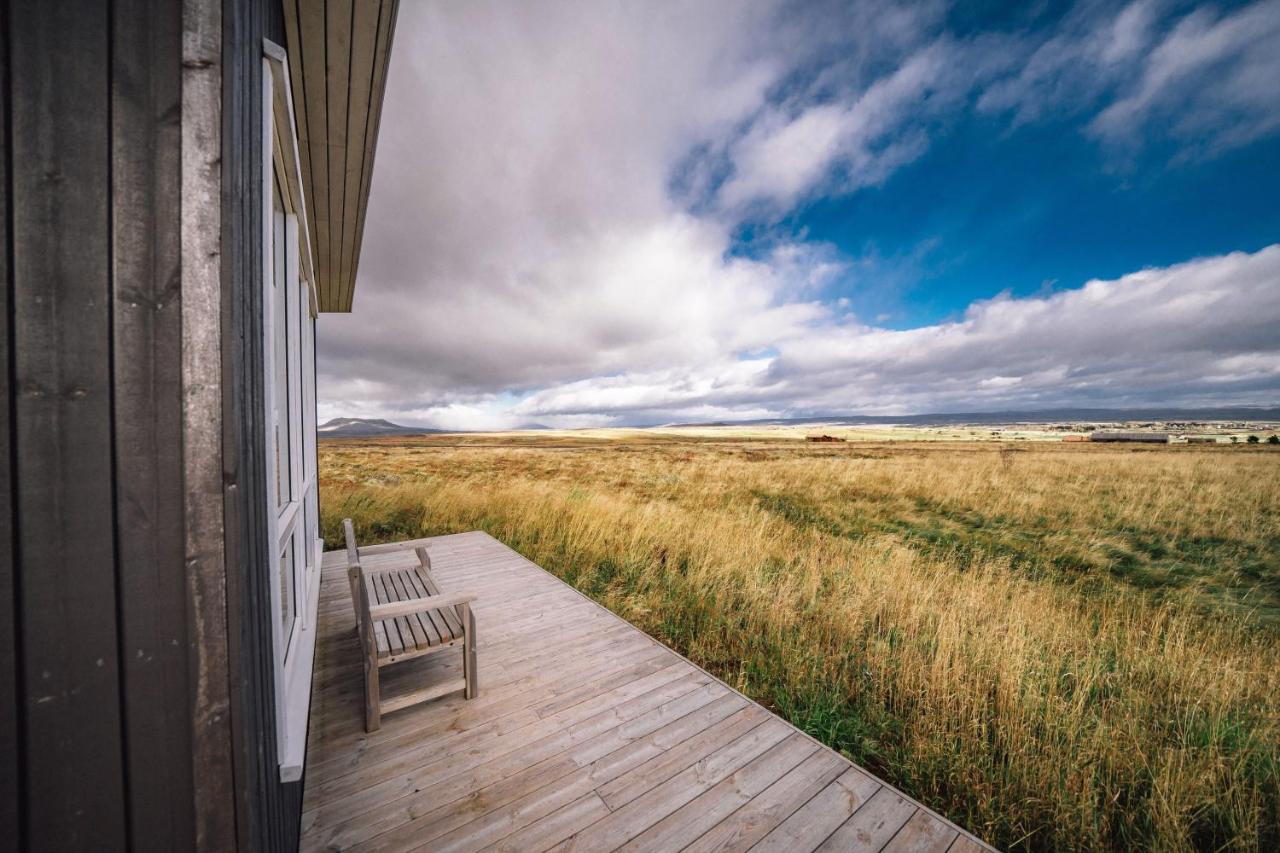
[[146, 103], [102, 678], [10, 754], [63, 426], [270, 811]]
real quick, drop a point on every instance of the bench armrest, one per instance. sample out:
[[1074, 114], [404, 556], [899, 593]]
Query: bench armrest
[[378, 612]]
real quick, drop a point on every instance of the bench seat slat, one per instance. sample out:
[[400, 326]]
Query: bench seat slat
[[415, 589], [422, 634], [446, 619], [402, 622], [449, 614], [379, 628], [395, 645], [432, 620]]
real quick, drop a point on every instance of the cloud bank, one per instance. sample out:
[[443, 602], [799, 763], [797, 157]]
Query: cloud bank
[[1200, 332], [552, 233]]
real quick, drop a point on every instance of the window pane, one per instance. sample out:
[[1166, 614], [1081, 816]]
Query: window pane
[[280, 348], [288, 596], [311, 525], [299, 320], [309, 394]]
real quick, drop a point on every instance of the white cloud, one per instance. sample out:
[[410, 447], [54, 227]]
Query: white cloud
[[1073, 66], [1201, 331], [1203, 80], [1212, 79], [519, 228], [845, 146]]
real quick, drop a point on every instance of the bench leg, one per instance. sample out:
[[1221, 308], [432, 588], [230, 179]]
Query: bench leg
[[372, 700], [469, 652]]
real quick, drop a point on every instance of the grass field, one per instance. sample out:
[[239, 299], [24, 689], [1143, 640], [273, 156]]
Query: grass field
[[1057, 646]]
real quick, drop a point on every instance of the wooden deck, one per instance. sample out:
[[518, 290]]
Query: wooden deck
[[587, 735]]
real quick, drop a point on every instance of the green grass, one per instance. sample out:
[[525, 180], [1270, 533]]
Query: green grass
[[1230, 573]]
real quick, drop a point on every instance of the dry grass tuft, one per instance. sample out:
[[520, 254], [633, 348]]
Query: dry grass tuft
[[1055, 646]]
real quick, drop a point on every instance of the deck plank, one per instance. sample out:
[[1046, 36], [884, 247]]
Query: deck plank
[[643, 812], [587, 735], [924, 833], [709, 808], [813, 822], [872, 826], [758, 817]]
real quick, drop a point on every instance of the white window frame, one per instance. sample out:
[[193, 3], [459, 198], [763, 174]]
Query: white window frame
[[295, 523]]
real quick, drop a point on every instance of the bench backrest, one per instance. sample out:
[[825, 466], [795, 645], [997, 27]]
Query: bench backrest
[[355, 575], [360, 602]]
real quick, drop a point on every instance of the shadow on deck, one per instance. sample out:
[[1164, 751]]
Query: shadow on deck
[[587, 735]]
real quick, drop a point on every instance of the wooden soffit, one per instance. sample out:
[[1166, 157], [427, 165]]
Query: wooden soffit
[[338, 54]]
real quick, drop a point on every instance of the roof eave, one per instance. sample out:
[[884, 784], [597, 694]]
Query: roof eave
[[338, 57]]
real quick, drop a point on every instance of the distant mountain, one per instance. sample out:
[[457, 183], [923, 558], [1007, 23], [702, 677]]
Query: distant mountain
[[1049, 416], [366, 427]]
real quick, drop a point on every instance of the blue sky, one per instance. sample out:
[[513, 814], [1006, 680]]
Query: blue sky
[[985, 211], [605, 213]]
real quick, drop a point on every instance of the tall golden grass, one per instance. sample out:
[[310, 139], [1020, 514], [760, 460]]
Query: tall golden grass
[[1057, 647]]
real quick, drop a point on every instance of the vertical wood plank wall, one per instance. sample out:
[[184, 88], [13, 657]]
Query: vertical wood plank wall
[[10, 754], [204, 561], [145, 110], [99, 647], [73, 721]]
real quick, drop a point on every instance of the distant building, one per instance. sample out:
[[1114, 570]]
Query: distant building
[[1140, 437], [1075, 437]]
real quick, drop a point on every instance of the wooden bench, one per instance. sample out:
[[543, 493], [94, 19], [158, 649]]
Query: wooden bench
[[402, 615]]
